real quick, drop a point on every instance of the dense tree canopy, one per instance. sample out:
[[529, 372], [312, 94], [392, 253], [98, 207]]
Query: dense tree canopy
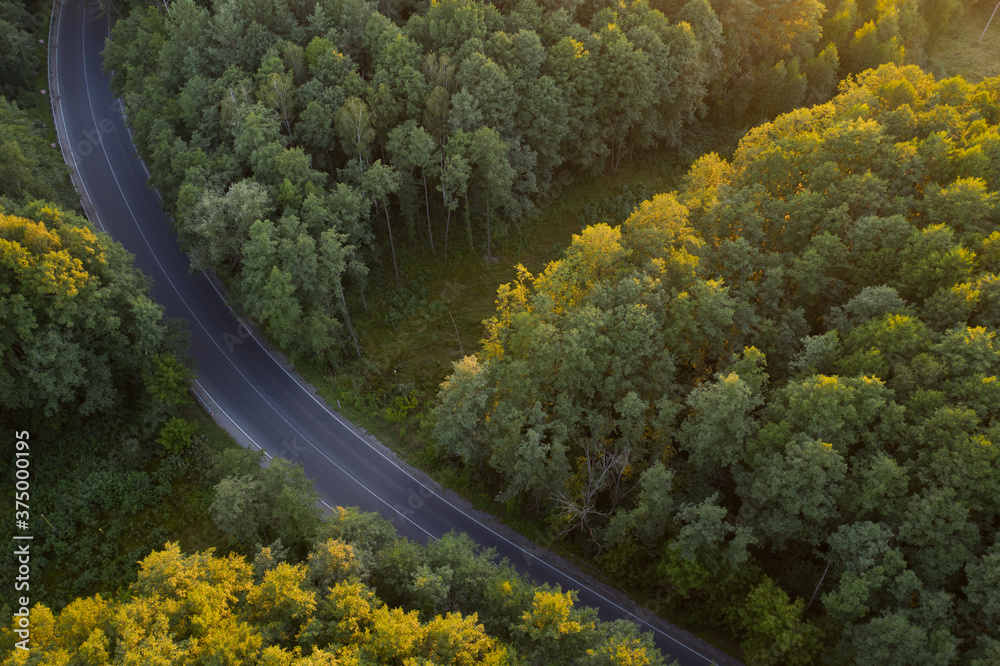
[[30, 168], [776, 390], [777, 54], [281, 134], [80, 340], [80, 335], [359, 597], [318, 120], [18, 63]]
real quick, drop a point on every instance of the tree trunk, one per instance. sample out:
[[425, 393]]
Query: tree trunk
[[468, 220], [427, 204], [377, 255], [447, 224], [347, 318], [489, 243], [461, 350], [392, 245]]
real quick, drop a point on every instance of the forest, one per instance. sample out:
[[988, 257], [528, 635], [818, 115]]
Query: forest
[[359, 596], [779, 382], [29, 168], [124, 468], [763, 401], [99, 379], [298, 142]]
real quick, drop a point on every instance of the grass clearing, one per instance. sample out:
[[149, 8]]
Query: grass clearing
[[960, 53], [414, 332]]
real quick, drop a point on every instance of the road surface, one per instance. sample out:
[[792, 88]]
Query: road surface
[[250, 390]]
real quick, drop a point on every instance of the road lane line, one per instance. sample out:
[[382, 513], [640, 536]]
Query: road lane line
[[323, 406], [232, 420], [135, 220], [525, 552], [62, 117]]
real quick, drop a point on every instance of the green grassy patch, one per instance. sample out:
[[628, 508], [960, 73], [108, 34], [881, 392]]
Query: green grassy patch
[[960, 53], [413, 332], [33, 101]]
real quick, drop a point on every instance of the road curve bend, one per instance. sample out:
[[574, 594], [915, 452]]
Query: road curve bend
[[249, 389]]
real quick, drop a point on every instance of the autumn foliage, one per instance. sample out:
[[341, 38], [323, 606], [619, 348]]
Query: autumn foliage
[[771, 399]]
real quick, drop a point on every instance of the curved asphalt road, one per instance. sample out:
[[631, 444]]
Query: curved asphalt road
[[250, 391]]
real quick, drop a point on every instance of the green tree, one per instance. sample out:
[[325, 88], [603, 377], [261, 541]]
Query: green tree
[[169, 381], [379, 182], [894, 639], [18, 64], [218, 226], [489, 153], [454, 181], [237, 511], [984, 577], [412, 147], [460, 428], [795, 492], [627, 90], [278, 502], [354, 127], [17, 179], [654, 509], [716, 434], [773, 629], [278, 92], [280, 309], [315, 127], [176, 434], [937, 536], [79, 333], [334, 256]]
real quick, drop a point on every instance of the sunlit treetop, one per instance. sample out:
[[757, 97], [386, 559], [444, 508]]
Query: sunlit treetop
[[78, 329]]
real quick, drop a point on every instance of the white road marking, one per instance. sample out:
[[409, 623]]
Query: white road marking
[[527, 553], [135, 220]]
